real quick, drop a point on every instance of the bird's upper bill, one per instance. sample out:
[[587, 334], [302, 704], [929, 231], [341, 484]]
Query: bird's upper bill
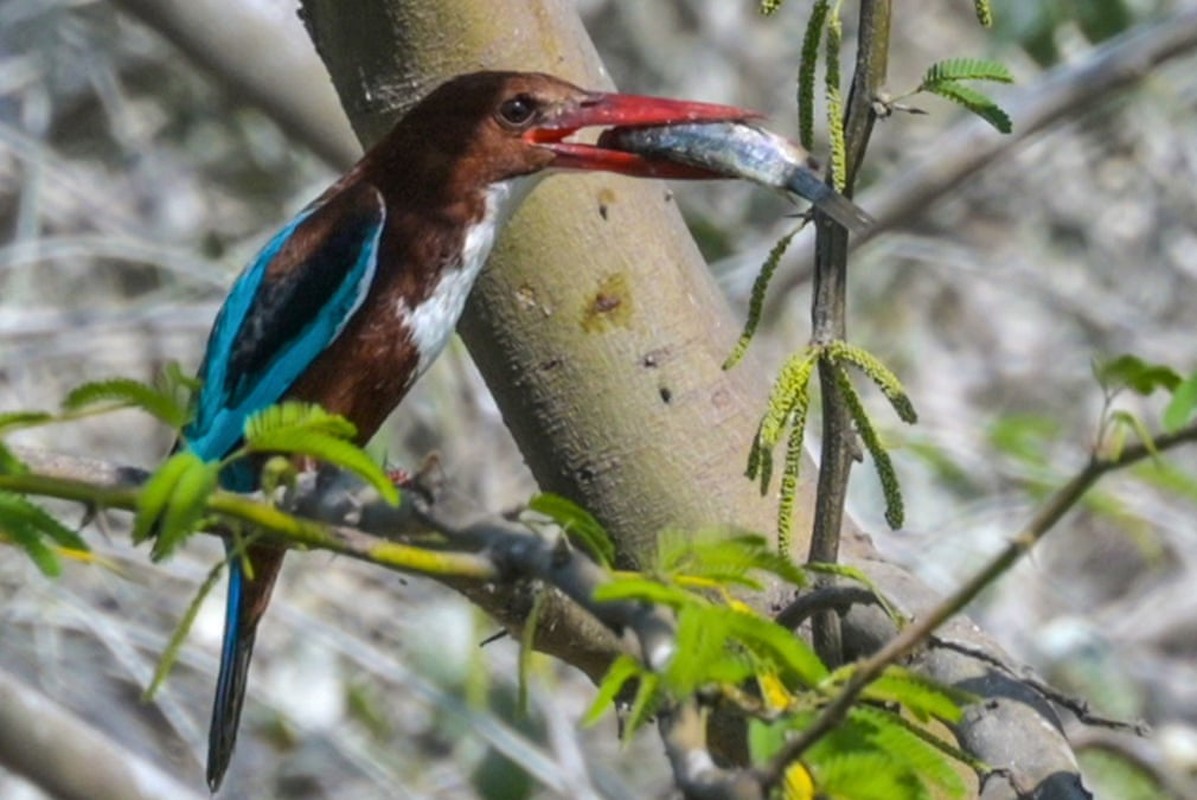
[[605, 109]]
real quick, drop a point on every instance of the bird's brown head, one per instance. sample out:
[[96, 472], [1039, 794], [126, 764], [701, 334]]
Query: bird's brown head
[[491, 126]]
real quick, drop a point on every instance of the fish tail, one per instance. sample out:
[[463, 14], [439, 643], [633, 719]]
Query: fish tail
[[806, 183], [247, 600]]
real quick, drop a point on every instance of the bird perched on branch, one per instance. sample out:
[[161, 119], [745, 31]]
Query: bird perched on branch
[[353, 299]]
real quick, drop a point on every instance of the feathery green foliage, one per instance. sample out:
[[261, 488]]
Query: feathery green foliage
[[967, 69], [12, 420], [172, 502], [306, 429], [769, 7], [167, 401], [807, 67], [722, 559], [923, 698], [9, 463], [578, 523], [975, 101], [170, 653], [37, 532], [944, 79]]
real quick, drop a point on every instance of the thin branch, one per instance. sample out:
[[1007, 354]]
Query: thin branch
[[920, 629]]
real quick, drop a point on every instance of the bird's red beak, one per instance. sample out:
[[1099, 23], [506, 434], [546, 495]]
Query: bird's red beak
[[627, 110]]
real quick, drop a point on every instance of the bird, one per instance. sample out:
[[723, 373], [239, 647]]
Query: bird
[[352, 300]]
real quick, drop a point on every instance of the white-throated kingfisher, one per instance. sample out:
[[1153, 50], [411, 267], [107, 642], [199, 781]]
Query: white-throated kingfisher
[[353, 299]]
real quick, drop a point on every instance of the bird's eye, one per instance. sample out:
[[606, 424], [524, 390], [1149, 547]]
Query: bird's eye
[[518, 110]]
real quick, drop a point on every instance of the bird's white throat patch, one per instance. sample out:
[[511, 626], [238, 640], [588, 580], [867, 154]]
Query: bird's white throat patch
[[433, 321]]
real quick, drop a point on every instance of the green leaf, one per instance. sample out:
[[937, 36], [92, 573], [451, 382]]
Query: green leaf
[[295, 416], [645, 702], [924, 756], [976, 102], [126, 392], [24, 419], [769, 7], [966, 69], [34, 547], [716, 556], [306, 429], [920, 696], [622, 670], [865, 776], [1026, 437], [1132, 372], [706, 657], [30, 526], [1180, 407], [644, 590], [772, 642], [578, 523], [1124, 420], [1163, 475], [171, 653], [186, 505], [9, 463], [154, 496]]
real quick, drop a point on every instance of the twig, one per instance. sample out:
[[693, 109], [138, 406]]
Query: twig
[[1077, 706], [920, 629]]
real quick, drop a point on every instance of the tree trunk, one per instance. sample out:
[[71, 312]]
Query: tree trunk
[[596, 326]]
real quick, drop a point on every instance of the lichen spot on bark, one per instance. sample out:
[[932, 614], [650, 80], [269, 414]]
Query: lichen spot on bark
[[610, 306]]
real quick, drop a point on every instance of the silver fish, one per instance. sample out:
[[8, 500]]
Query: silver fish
[[740, 150]]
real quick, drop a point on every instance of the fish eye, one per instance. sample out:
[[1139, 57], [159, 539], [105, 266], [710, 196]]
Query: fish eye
[[518, 110]]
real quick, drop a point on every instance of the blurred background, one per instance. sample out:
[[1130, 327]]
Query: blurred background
[[136, 180]]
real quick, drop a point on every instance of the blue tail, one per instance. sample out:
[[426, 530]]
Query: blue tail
[[235, 653], [247, 602]]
